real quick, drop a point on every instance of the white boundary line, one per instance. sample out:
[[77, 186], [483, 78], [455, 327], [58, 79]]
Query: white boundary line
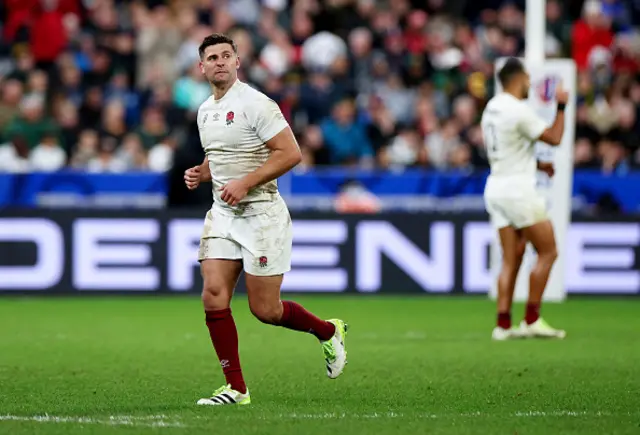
[[119, 420], [173, 422], [478, 414]]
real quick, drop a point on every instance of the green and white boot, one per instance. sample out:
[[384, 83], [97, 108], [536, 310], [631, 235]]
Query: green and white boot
[[541, 329], [226, 396], [335, 354]]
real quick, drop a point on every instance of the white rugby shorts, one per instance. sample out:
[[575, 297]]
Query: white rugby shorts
[[263, 241], [514, 204]]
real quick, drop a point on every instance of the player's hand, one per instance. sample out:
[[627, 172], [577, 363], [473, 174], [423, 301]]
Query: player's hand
[[234, 191], [192, 177], [547, 168], [562, 96]]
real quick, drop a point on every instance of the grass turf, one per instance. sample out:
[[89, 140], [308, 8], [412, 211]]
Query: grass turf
[[418, 365]]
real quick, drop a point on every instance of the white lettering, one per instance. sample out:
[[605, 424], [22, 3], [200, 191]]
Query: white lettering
[[374, 238], [477, 238], [615, 252], [314, 267], [49, 267], [182, 256], [91, 254]]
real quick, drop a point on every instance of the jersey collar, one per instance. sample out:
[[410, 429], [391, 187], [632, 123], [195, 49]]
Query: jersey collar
[[232, 89]]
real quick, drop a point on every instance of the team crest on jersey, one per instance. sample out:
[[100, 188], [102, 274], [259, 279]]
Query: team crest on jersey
[[230, 117], [546, 88], [263, 261]]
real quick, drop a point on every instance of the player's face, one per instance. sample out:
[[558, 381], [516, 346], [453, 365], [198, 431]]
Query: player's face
[[220, 64]]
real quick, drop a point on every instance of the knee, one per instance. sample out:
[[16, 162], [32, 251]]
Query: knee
[[215, 297], [267, 313], [549, 255]]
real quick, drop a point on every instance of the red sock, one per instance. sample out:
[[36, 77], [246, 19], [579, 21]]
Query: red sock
[[224, 336], [532, 314], [504, 320], [295, 317]]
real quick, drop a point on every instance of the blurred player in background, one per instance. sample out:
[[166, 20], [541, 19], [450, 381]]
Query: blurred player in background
[[511, 129], [248, 145]]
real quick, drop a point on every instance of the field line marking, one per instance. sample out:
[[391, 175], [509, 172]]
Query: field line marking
[[114, 420], [167, 421], [477, 414]]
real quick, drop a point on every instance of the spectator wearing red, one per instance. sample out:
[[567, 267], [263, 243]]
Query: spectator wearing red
[[593, 30]]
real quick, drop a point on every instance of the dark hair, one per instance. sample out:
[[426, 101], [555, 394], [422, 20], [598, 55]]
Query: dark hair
[[509, 70], [215, 39]]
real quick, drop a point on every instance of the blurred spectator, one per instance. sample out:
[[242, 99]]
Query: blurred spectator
[[31, 123], [441, 143], [105, 159], [161, 155], [48, 156], [14, 155], [593, 30], [345, 139], [405, 150], [157, 45], [318, 95], [154, 127], [10, 101], [191, 91], [132, 153], [85, 150]]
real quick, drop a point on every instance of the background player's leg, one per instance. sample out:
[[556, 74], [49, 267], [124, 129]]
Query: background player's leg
[[513, 245], [542, 237], [265, 304], [220, 277]]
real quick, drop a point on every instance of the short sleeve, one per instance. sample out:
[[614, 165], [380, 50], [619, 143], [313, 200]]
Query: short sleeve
[[268, 120], [530, 124]]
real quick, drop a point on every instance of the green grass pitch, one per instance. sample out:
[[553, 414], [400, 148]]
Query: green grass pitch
[[417, 365]]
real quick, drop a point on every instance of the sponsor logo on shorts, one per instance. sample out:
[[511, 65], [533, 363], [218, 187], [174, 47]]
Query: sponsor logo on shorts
[[263, 261]]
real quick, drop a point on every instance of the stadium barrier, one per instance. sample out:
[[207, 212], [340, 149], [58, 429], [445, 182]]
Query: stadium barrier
[[91, 252], [418, 189]]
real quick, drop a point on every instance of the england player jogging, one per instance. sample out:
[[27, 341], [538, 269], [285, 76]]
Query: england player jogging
[[248, 144], [511, 128]]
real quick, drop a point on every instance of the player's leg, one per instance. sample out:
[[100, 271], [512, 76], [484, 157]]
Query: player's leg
[[543, 240], [267, 242], [266, 305], [220, 265], [220, 277], [513, 245]]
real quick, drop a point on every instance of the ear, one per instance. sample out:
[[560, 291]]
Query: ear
[[237, 62], [201, 67]]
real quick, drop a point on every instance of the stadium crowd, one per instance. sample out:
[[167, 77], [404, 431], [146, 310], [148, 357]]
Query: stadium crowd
[[112, 86]]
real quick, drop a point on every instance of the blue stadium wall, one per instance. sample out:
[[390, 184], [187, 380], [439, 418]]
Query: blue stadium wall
[[150, 190]]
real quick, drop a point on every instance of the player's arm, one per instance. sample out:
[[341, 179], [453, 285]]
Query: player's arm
[[285, 155], [198, 174], [205, 172], [553, 135]]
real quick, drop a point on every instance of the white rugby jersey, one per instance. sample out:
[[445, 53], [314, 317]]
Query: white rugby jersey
[[233, 132], [511, 128]]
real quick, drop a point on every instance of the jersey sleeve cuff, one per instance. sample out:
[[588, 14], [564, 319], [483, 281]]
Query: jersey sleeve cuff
[[273, 131]]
